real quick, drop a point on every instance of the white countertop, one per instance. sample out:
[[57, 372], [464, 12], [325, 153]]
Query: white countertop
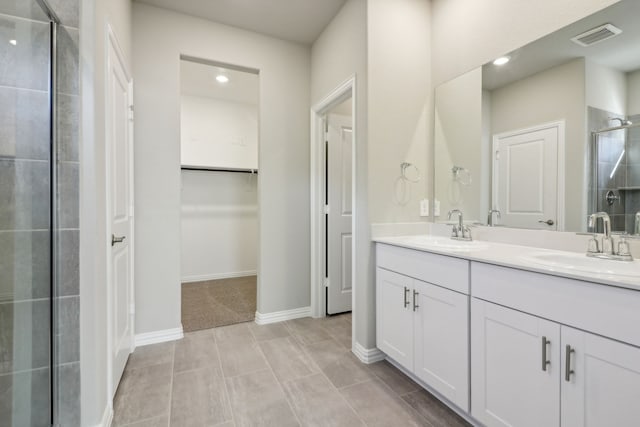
[[613, 273]]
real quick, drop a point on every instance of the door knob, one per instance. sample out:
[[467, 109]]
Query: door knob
[[115, 239], [548, 222]]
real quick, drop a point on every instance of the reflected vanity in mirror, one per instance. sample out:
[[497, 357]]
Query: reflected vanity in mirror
[[550, 133]]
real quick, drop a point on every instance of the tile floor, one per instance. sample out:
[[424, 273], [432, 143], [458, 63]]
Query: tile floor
[[295, 373]]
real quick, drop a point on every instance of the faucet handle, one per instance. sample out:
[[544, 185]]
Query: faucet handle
[[592, 246], [623, 247]]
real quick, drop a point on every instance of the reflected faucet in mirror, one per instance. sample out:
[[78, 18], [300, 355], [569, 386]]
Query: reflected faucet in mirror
[[490, 222]]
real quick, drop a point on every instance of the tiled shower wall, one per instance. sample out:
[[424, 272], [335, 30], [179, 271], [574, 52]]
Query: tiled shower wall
[[67, 326], [623, 180], [24, 216]]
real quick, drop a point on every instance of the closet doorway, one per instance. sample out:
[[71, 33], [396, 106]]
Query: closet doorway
[[219, 197]]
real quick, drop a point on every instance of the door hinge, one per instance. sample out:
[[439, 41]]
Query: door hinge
[[326, 282], [326, 210], [326, 125], [131, 112], [497, 155]]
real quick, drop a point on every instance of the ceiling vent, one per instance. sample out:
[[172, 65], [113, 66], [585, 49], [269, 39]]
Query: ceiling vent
[[596, 35]]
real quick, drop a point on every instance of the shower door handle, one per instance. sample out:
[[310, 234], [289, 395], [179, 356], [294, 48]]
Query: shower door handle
[[115, 239], [548, 222]]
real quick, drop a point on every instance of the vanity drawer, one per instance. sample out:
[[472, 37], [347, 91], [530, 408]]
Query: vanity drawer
[[448, 272], [605, 310]]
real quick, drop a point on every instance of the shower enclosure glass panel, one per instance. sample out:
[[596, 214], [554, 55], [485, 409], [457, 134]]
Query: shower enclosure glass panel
[[616, 172], [25, 220]]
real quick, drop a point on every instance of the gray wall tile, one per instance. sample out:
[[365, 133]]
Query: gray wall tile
[[68, 397], [24, 124], [68, 329], [24, 265], [68, 61], [25, 65], [24, 399], [68, 11], [24, 195], [68, 127], [68, 262], [68, 195], [24, 336]]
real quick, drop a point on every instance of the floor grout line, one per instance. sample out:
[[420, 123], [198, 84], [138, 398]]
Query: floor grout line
[[224, 381], [286, 398], [173, 364]]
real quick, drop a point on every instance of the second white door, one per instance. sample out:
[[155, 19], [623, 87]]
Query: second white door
[[526, 174], [339, 155]]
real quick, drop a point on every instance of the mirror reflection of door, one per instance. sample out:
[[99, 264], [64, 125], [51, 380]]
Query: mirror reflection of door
[[338, 179], [525, 177]]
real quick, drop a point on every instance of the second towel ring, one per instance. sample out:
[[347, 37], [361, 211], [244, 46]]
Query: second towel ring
[[409, 172]]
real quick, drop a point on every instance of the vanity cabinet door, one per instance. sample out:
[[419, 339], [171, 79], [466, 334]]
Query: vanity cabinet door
[[604, 386], [509, 385], [394, 316], [442, 341]]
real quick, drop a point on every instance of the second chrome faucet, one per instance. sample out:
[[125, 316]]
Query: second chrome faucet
[[607, 249], [460, 231]]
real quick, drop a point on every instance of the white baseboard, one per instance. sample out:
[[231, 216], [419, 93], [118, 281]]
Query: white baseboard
[[156, 337], [107, 417], [281, 316], [216, 276], [368, 355]]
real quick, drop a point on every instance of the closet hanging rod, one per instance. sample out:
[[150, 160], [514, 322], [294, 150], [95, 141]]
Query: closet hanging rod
[[211, 169]]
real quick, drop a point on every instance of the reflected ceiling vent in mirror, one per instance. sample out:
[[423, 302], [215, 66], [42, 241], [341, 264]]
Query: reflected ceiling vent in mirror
[[596, 35]]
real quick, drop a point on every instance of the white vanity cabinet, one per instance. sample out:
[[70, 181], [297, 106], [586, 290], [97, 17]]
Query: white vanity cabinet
[[421, 323], [527, 370]]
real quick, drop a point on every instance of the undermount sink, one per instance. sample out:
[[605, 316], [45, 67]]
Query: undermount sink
[[446, 244], [569, 262]]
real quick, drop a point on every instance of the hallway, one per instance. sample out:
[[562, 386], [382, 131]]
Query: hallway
[[293, 373]]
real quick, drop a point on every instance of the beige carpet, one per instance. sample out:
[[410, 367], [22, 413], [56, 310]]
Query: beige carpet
[[218, 302]]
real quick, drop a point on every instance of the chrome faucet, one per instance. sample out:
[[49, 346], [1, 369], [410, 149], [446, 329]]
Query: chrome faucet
[[460, 231], [490, 216], [606, 249]]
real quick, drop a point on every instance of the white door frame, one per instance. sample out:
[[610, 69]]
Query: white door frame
[[111, 40], [560, 126], [338, 95]]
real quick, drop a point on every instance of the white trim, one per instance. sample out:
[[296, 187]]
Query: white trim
[[335, 97], [107, 417], [156, 337], [216, 276], [281, 316], [560, 191], [368, 355]]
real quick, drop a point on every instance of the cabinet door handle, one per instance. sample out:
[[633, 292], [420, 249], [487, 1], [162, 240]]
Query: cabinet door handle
[[415, 294], [545, 361], [567, 364], [406, 297]]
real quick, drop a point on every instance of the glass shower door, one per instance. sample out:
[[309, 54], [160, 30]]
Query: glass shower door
[[25, 220]]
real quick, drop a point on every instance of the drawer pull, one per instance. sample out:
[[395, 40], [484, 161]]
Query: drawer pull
[[545, 361], [406, 297], [415, 306], [567, 364]]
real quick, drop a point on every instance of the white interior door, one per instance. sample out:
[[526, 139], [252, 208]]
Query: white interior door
[[339, 153], [526, 174], [120, 215]]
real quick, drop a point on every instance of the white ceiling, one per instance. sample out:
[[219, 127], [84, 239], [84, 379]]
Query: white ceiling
[[300, 21], [621, 52], [198, 79]]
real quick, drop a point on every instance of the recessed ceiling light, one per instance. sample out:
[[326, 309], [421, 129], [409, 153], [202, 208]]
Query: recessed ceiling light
[[502, 60], [13, 42], [221, 78]]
